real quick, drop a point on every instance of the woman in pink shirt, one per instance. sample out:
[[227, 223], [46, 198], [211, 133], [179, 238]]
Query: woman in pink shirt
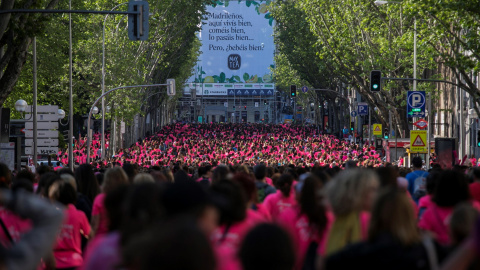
[[283, 199], [253, 207], [235, 222], [452, 189], [307, 222], [114, 178], [68, 250]]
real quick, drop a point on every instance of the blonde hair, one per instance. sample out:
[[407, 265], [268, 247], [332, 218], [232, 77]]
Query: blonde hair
[[346, 192], [143, 178], [393, 213], [114, 177], [69, 179]]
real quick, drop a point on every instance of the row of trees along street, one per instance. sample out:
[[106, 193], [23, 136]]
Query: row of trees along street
[[335, 45]]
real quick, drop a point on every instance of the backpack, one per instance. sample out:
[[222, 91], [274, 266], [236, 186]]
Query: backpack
[[262, 193], [420, 186]]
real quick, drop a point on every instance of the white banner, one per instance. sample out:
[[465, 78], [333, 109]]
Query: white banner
[[42, 125], [42, 142], [42, 134], [237, 44]]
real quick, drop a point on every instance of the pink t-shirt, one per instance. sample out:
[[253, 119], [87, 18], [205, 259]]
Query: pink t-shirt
[[263, 211], [68, 251], [436, 220], [100, 211], [302, 234], [277, 203], [16, 227], [226, 245], [425, 202]]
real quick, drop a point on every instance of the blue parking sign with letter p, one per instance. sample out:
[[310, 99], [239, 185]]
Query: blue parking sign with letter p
[[416, 104], [362, 109]]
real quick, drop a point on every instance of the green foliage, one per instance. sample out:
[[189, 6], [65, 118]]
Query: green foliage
[[170, 52]]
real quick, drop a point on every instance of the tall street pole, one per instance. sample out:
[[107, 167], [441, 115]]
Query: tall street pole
[[35, 102], [70, 131]]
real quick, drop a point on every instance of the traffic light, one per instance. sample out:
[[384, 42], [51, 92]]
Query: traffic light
[[245, 107], [478, 138], [352, 125], [265, 102], [293, 90], [171, 87], [138, 23], [385, 133], [375, 81]]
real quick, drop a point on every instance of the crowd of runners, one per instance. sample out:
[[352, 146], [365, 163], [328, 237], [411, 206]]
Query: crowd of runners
[[240, 197]]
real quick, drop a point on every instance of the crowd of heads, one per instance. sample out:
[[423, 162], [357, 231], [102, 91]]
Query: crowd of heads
[[248, 210]]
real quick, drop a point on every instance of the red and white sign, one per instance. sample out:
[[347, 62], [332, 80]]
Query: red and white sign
[[421, 124]]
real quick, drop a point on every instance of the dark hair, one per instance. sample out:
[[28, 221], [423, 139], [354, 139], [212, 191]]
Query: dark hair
[[432, 179], [220, 173], [46, 180], [142, 208], [417, 162], [115, 206], [43, 169], [130, 170], [184, 198], [388, 177], [5, 172], [22, 183], [175, 245], [99, 177], [284, 184], [26, 174], [87, 182], [260, 171], [66, 193], [267, 246], [311, 203], [235, 207], [452, 188], [248, 184]]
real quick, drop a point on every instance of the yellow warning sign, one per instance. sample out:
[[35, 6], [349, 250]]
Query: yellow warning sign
[[377, 129], [418, 141]]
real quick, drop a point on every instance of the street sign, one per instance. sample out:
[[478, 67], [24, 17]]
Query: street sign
[[43, 117], [418, 141], [44, 109], [42, 133], [256, 104], [416, 104], [42, 142], [362, 109], [42, 150], [377, 129], [421, 124], [225, 104], [304, 89], [42, 125], [353, 113]]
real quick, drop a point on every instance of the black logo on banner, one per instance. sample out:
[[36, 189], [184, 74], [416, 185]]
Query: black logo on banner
[[234, 61]]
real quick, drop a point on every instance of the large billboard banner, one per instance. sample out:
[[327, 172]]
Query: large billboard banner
[[237, 44]]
